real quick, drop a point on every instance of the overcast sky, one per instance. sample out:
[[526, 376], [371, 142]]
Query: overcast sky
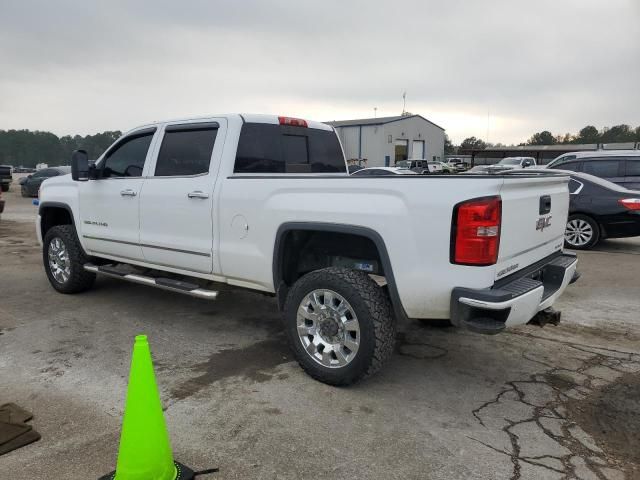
[[82, 67]]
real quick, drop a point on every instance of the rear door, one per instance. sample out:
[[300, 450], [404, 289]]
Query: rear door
[[176, 205], [534, 217]]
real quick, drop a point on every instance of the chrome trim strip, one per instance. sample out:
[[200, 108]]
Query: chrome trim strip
[[531, 249], [143, 245]]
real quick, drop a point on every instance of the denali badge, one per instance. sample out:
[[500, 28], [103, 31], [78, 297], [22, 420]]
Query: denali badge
[[543, 222]]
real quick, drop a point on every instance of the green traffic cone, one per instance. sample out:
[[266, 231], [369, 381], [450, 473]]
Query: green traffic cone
[[145, 450]]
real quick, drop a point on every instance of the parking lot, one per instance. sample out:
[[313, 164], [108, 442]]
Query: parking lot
[[531, 403]]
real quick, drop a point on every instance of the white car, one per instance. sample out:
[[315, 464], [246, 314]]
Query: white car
[[377, 171], [512, 163], [265, 203]]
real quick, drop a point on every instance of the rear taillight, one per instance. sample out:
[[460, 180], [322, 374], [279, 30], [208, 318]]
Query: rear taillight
[[630, 203], [293, 122], [476, 231]]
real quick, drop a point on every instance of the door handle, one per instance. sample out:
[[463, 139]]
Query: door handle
[[197, 194], [128, 193]]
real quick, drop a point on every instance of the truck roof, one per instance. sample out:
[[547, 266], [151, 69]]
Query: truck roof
[[246, 118]]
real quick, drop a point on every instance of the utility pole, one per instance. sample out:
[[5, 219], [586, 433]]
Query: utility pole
[[375, 112], [404, 102]]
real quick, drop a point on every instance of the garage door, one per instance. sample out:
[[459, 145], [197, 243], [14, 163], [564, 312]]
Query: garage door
[[418, 149]]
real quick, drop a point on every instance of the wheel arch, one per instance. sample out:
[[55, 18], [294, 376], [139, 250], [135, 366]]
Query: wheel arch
[[55, 213], [287, 228]]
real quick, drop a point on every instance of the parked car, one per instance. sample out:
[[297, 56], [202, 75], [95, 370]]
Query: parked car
[[435, 167], [6, 177], [600, 209], [30, 185], [447, 168], [618, 166], [418, 166], [513, 163], [377, 171], [459, 164], [264, 202]]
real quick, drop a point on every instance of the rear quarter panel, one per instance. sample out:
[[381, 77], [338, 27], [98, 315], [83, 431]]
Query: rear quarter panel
[[412, 214]]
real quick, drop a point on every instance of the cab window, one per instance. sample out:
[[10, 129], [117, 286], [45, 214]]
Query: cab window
[[186, 150], [126, 159]]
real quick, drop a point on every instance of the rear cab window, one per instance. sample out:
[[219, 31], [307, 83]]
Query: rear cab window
[[271, 148]]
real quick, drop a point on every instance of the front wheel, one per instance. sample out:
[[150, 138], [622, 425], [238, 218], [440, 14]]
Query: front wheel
[[339, 324], [582, 232], [64, 260]]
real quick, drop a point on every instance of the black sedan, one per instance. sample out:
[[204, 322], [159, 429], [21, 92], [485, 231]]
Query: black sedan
[[600, 209], [30, 185]]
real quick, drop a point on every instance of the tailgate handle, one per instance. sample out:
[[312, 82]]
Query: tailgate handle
[[545, 204]]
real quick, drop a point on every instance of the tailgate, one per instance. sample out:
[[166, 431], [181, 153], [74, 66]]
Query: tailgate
[[534, 217]]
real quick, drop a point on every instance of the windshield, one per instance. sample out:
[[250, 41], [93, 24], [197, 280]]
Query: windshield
[[509, 161]]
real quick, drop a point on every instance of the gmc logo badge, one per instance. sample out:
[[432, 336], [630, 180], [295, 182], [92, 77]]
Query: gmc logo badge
[[543, 222]]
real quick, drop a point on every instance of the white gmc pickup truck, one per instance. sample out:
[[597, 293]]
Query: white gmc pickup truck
[[265, 203]]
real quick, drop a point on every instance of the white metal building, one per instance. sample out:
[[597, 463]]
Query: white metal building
[[386, 140]]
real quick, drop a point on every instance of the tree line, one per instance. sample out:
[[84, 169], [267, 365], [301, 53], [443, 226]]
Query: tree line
[[25, 148], [589, 134]]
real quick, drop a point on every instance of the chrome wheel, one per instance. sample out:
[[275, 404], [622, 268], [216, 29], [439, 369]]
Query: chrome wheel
[[328, 328], [59, 262], [578, 232]]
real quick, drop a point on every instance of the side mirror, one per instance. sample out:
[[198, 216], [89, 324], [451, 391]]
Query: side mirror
[[80, 166], [29, 176]]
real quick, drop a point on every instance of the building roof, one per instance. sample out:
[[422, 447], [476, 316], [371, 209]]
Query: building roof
[[558, 148], [377, 121]]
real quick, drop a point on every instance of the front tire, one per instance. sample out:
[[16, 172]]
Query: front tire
[[64, 260], [582, 232], [340, 325]]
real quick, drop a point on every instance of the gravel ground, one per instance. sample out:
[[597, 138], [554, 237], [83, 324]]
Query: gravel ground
[[532, 403]]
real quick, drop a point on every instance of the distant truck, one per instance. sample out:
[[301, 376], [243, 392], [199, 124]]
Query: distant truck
[[6, 177]]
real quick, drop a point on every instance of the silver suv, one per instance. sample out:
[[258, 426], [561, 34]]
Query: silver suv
[[618, 166]]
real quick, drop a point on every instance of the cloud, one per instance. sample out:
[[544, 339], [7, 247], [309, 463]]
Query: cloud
[[73, 67]]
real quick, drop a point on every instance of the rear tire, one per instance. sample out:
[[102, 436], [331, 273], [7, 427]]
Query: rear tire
[[582, 233], [5, 188], [64, 260], [340, 325]]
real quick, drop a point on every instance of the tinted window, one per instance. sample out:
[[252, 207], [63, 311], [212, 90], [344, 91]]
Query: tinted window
[[573, 166], [127, 158], [601, 168], [185, 152], [40, 174], [574, 185], [633, 167], [267, 148]]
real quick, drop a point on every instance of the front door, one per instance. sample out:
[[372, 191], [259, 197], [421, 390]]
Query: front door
[[109, 206], [176, 206]]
